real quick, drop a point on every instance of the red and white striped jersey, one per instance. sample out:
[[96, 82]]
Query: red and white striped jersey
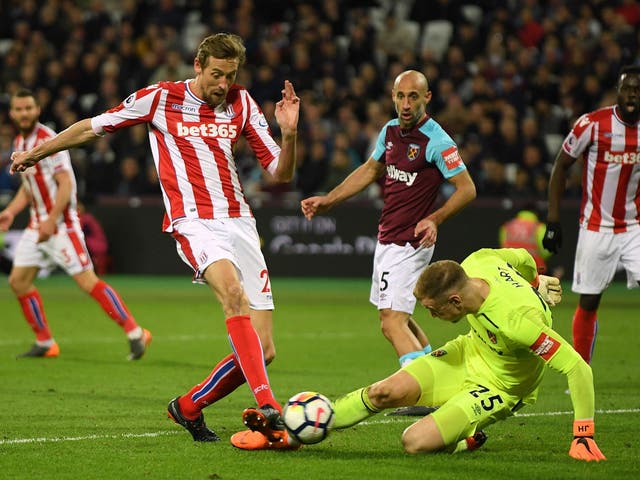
[[192, 146], [611, 174], [39, 181]]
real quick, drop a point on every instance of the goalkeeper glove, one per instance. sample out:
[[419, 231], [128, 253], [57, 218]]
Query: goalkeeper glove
[[550, 289], [552, 239], [584, 446]]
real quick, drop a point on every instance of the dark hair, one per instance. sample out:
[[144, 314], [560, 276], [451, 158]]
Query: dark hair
[[23, 93], [221, 45]]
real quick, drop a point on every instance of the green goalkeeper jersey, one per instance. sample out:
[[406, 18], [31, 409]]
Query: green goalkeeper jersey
[[512, 336]]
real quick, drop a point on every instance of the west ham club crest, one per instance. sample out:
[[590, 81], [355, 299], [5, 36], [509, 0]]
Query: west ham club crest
[[413, 151]]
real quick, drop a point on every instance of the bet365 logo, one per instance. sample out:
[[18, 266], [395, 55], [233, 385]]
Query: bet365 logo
[[209, 130], [627, 158]]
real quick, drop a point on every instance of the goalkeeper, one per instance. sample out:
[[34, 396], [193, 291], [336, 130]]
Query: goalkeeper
[[492, 371]]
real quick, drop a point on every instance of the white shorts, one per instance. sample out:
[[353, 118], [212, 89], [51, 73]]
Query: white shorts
[[202, 242], [600, 254], [395, 272], [66, 249]]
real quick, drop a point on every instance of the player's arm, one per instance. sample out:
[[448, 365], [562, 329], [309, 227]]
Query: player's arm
[[15, 206], [60, 203], [580, 381], [549, 345], [557, 183], [552, 240], [357, 181], [77, 134], [287, 114], [519, 259], [465, 192]]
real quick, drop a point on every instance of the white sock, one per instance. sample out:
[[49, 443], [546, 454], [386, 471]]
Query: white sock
[[135, 334]]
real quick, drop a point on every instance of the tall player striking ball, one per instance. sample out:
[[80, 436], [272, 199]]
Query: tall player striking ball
[[193, 127]]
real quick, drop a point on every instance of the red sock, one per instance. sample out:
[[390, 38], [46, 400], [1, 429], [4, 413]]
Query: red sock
[[584, 332], [248, 354], [222, 380], [33, 310], [111, 303]]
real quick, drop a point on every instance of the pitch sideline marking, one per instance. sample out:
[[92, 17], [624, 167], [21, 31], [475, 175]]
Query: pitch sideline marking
[[85, 437], [18, 441]]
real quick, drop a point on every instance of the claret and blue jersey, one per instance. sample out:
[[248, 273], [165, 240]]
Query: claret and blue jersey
[[417, 162]]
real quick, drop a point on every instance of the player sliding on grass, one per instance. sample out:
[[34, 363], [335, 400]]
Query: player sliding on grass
[[54, 235], [492, 371], [193, 128]]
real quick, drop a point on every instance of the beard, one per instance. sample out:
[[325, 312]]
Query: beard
[[26, 125]]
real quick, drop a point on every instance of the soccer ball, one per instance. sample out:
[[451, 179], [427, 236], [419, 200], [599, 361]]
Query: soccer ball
[[308, 417]]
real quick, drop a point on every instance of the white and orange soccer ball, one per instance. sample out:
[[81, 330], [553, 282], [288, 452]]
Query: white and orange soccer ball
[[308, 417]]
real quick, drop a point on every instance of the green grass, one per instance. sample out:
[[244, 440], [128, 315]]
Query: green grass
[[90, 414]]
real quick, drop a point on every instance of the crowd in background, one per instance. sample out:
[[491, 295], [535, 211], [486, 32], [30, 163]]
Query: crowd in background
[[508, 77]]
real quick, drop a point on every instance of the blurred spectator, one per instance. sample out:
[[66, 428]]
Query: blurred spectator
[[339, 168], [96, 240], [132, 179], [522, 186], [313, 168], [545, 61], [526, 231], [173, 69], [492, 181]]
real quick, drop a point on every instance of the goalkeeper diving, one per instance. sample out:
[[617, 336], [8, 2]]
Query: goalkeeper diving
[[492, 371]]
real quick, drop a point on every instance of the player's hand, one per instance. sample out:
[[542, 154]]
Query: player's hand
[[313, 205], [20, 161], [552, 239], [6, 219], [288, 109], [583, 446], [46, 230], [429, 231], [550, 289]]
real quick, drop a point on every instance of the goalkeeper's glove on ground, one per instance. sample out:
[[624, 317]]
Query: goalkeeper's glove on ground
[[550, 289], [584, 446], [552, 239]]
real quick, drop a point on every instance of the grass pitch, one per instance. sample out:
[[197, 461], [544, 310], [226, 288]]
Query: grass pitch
[[90, 414]]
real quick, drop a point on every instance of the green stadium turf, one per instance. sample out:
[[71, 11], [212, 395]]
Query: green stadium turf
[[90, 414]]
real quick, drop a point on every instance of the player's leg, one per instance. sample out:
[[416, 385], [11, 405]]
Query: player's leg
[[398, 390], [186, 410], [412, 385], [223, 279], [395, 328], [629, 244], [26, 264], [597, 257], [395, 271], [464, 408], [226, 375], [456, 425], [420, 335], [113, 305], [68, 249], [21, 280], [585, 325]]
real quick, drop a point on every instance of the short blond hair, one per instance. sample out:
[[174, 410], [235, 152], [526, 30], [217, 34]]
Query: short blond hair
[[226, 46], [439, 279]]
